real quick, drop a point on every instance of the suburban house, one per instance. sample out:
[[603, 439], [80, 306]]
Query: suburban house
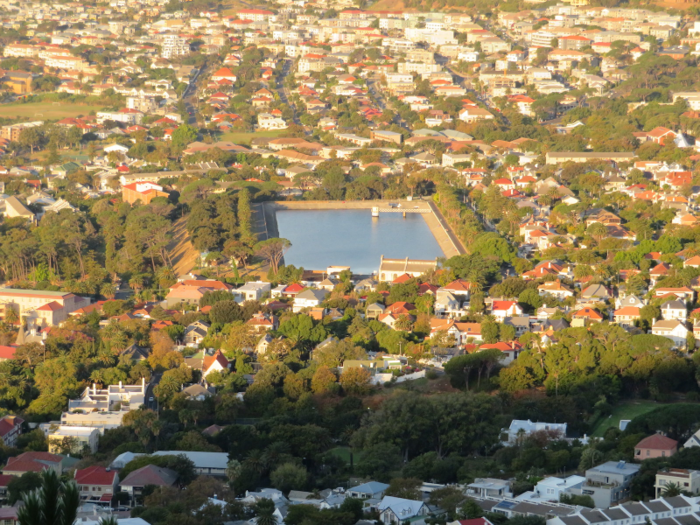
[[309, 298], [608, 483], [519, 429], [137, 480], [674, 330], [195, 333], [502, 309], [34, 462], [686, 480], [369, 490], [395, 511], [144, 192], [656, 446], [390, 269], [10, 429], [69, 439], [97, 484]]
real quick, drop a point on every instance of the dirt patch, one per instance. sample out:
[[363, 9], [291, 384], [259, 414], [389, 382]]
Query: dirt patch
[[182, 253]]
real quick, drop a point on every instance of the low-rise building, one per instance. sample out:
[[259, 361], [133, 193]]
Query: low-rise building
[[685, 480]]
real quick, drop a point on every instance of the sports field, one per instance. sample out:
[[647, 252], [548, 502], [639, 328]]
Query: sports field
[[45, 110]]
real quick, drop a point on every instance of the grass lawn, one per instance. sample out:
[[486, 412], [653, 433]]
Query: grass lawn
[[344, 454], [627, 410], [245, 138], [45, 110]]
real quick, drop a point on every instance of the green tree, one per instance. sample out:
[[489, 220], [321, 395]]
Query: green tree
[[289, 476], [183, 135], [54, 503]]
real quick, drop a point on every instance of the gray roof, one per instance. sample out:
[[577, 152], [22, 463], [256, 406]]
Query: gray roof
[[371, 487], [617, 467], [200, 459], [319, 295]]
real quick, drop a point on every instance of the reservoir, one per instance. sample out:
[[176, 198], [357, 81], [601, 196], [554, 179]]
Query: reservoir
[[322, 238]]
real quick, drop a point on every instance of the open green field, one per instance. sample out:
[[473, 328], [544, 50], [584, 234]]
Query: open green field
[[344, 454], [45, 110], [245, 138], [627, 410]]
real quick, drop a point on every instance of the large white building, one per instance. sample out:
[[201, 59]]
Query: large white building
[[104, 408], [174, 46], [39, 308]]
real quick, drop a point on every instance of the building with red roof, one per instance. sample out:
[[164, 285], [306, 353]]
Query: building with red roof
[[96, 484], [656, 446], [33, 462], [10, 429]]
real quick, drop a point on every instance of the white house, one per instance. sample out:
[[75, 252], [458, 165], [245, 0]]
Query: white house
[[673, 329], [308, 299], [674, 310], [270, 122], [394, 511], [519, 427], [552, 488], [252, 291]]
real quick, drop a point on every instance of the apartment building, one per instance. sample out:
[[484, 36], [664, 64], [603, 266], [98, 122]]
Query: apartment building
[[686, 480], [39, 308], [174, 46], [609, 483]]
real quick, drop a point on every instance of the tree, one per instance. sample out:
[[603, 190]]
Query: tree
[[225, 312], [17, 486], [29, 138], [265, 512], [273, 250], [54, 503], [183, 135], [406, 488], [356, 381], [671, 490], [289, 476]]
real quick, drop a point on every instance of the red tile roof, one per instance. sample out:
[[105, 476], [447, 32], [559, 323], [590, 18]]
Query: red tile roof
[[657, 442], [95, 475]]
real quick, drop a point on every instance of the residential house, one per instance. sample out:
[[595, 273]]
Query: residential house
[[674, 330], [656, 446], [555, 289], [609, 483], [674, 309], [502, 309], [96, 484], [252, 291], [686, 480], [10, 429], [395, 511], [34, 462], [309, 298], [137, 480], [69, 439], [522, 428], [195, 333], [369, 490]]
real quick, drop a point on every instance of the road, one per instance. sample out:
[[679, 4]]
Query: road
[[378, 97], [190, 95], [153, 405], [284, 92]]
